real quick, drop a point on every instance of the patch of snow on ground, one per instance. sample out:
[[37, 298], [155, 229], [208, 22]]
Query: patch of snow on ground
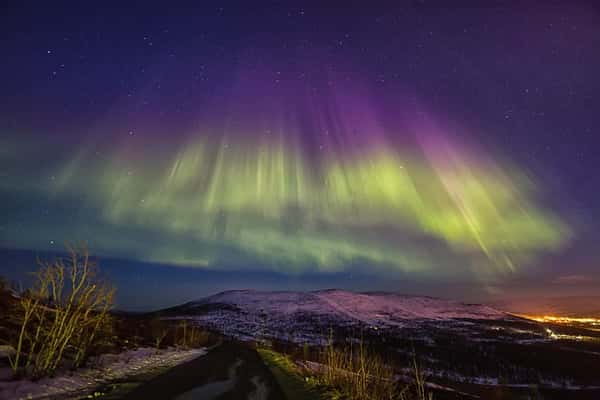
[[110, 367], [261, 392], [492, 381]]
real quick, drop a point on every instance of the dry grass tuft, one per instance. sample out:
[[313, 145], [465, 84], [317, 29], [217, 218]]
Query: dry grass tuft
[[355, 373]]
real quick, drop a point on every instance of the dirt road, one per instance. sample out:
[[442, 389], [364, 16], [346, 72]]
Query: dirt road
[[228, 371]]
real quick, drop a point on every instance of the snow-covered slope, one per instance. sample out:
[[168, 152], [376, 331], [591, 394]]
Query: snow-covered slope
[[305, 316], [387, 307], [370, 308]]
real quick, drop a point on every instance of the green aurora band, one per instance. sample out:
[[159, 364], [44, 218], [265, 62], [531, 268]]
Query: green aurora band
[[292, 212], [255, 192]]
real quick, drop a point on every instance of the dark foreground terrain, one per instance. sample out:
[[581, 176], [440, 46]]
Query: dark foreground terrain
[[472, 351], [228, 371], [465, 351], [234, 370]]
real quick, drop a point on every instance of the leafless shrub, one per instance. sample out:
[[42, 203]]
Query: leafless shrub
[[65, 311], [197, 337], [159, 330], [187, 335]]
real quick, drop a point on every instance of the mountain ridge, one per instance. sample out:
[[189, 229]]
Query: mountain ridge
[[373, 308]]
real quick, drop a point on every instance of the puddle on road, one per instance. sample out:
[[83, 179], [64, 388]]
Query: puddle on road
[[214, 389], [261, 392]]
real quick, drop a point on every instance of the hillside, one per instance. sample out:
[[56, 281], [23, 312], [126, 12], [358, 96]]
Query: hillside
[[470, 347], [369, 308], [306, 316]]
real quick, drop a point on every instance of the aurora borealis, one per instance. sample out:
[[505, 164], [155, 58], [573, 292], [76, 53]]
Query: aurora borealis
[[395, 142], [262, 193]]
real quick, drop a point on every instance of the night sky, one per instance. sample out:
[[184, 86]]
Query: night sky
[[411, 147]]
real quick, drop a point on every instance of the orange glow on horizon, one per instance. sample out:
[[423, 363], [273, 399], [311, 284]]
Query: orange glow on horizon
[[562, 319]]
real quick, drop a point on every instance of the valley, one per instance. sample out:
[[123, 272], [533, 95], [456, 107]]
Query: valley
[[468, 348]]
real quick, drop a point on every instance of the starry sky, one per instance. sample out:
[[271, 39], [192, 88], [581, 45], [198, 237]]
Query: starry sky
[[408, 146]]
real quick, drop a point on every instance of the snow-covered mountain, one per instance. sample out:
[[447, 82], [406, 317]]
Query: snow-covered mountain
[[299, 316], [369, 308]]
